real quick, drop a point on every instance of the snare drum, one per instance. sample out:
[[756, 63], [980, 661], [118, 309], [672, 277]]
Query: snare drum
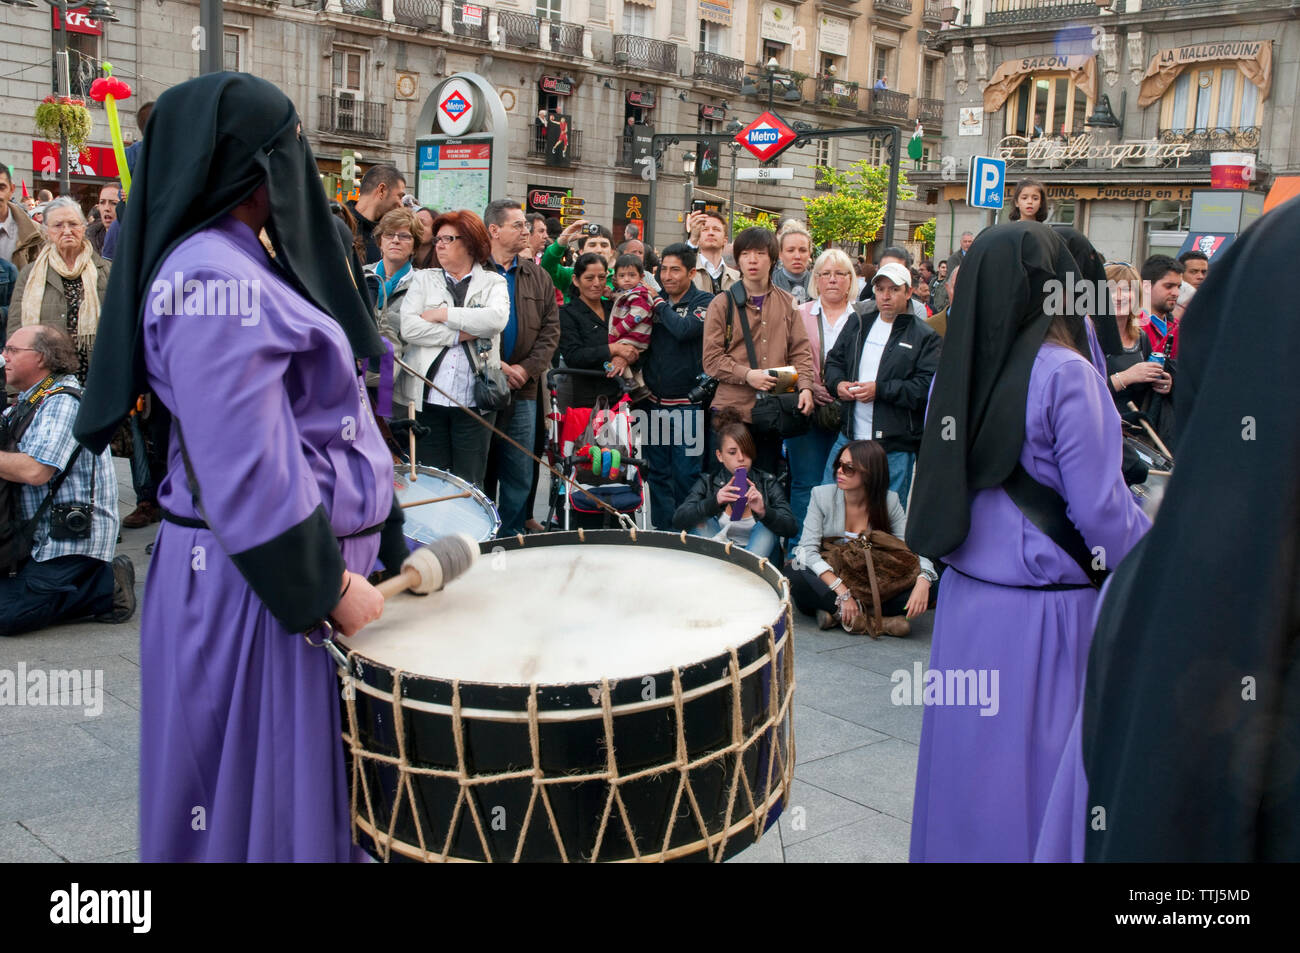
[[460, 507], [586, 696]]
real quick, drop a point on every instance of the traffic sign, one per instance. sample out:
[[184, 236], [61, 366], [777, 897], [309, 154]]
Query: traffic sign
[[767, 136], [986, 182], [763, 174], [572, 209]]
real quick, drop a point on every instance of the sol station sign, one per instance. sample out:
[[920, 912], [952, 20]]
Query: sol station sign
[[767, 136]]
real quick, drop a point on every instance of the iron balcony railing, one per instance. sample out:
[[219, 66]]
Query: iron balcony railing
[[520, 30], [343, 115], [640, 52], [886, 102], [719, 70], [537, 147], [933, 10], [374, 9], [470, 20], [565, 37], [1031, 11], [422, 14], [929, 111], [895, 7], [837, 94], [1204, 141]]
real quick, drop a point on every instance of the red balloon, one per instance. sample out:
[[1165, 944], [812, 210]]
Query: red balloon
[[107, 86]]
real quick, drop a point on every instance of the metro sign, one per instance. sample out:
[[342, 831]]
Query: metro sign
[[455, 106], [767, 136]]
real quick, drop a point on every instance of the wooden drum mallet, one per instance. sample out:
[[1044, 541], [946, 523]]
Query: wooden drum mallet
[[431, 567]]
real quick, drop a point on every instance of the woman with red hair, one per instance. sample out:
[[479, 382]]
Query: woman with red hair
[[452, 320]]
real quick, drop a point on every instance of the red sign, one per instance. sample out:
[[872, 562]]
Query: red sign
[[97, 161], [767, 136], [78, 22], [559, 85], [466, 152], [455, 106], [713, 112], [645, 98]]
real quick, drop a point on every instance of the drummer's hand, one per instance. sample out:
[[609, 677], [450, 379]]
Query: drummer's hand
[[729, 494], [919, 600], [1163, 384], [360, 605]]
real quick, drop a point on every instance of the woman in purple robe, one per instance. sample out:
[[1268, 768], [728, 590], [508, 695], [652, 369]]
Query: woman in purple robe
[[278, 495], [1018, 410]]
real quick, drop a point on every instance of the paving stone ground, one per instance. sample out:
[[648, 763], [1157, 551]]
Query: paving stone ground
[[68, 783]]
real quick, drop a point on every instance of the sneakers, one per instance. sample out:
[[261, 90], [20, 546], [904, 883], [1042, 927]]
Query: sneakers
[[144, 514], [123, 592]]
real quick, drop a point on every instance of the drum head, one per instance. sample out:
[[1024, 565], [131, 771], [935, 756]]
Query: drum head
[[473, 514]]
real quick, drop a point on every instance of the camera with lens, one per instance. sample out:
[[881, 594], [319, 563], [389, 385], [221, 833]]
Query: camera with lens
[[70, 520], [703, 391], [591, 231]]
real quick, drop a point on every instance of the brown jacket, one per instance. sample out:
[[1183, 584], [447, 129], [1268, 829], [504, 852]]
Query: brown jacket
[[54, 306], [31, 237], [779, 339], [538, 333], [704, 281]]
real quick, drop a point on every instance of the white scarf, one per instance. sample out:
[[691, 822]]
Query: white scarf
[[83, 268]]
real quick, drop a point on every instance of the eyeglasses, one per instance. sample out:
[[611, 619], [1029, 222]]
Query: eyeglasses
[[9, 349], [399, 237], [847, 469], [520, 226], [69, 226], [446, 239]]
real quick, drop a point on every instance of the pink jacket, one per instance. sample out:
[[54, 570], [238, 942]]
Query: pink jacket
[[810, 323]]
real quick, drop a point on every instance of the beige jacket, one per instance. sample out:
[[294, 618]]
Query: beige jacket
[[54, 306]]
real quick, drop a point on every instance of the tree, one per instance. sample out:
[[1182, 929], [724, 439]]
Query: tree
[[854, 209], [763, 220], [925, 235]]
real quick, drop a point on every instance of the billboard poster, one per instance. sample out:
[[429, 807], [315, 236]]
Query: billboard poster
[[456, 173]]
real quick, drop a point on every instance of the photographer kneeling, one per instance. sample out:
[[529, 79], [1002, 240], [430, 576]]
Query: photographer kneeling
[[58, 515]]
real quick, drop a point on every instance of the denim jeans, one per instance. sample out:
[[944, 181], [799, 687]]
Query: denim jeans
[[762, 541], [807, 459], [901, 464], [671, 469], [514, 470]]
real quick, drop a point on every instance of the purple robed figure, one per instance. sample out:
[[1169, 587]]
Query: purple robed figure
[[241, 716], [1004, 782]]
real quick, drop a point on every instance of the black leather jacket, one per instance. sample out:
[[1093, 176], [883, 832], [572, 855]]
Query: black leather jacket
[[702, 503]]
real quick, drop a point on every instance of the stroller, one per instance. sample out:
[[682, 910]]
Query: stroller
[[599, 449]]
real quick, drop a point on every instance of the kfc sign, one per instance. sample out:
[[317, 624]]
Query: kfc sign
[[78, 22]]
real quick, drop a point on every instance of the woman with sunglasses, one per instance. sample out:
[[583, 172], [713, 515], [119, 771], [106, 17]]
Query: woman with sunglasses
[[859, 501]]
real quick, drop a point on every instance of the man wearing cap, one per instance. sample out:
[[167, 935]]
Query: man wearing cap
[[880, 368]]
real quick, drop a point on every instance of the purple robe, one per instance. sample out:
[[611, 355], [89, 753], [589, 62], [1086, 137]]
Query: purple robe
[[1009, 786], [240, 756]]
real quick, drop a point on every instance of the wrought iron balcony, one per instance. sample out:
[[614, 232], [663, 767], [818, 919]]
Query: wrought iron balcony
[[898, 8], [474, 27], [719, 70], [1032, 11], [566, 38], [837, 94], [932, 11], [520, 30], [1202, 142], [373, 9], [343, 115], [421, 14], [537, 144], [887, 103], [640, 52], [929, 111]]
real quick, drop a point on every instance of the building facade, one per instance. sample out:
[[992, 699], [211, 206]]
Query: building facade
[[360, 72], [1184, 80]]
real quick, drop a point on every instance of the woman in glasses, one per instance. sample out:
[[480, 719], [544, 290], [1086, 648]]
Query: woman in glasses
[[458, 303], [858, 502], [398, 234]]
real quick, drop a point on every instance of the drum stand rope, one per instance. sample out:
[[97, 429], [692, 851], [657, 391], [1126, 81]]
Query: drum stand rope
[[753, 812]]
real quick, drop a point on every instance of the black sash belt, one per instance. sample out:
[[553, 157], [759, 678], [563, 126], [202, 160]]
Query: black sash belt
[[1054, 587], [193, 523]]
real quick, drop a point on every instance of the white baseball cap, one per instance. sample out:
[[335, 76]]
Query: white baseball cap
[[895, 273]]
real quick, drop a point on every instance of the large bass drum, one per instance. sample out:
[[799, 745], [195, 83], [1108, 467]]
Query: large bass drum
[[588, 696]]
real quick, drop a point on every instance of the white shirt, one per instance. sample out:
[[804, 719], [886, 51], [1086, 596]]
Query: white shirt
[[868, 366], [8, 236], [455, 377], [829, 332]]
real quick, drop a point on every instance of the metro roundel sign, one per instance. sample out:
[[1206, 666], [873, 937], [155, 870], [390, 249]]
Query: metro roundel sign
[[767, 136]]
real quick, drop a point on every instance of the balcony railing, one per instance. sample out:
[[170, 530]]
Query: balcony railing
[[373, 9], [886, 102], [932, 10], [475, 26], [346, 116], [537, 145], [929, 111], [719, 70], [898, 8], [1030, 11], [421, 14], [565, 37], [1204, 141], [1165, 4], [639, 52], [520, 30], [837, 94]]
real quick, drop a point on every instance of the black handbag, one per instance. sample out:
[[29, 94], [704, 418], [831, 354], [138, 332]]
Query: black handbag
[[827, 416], [491, 389], [773, 413]]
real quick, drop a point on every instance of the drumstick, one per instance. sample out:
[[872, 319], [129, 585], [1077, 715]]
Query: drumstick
[[410, 415], [1160, 473], [1146, 425], [438, 499], [431, 567]]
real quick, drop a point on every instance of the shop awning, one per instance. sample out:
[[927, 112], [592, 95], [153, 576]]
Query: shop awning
[[1212, 243], [1285, 188], [1254, 58], [716, 11], [1082, 70]]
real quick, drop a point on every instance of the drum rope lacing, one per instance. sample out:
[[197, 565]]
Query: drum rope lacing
[[780, 762], [623, 519]]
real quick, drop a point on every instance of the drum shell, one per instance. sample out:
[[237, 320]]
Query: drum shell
[[495, 735], [475, 514]]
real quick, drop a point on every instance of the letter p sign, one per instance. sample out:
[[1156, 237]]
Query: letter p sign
[[986, 182]]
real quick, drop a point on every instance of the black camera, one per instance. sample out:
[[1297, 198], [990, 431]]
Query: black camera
[[703, 391], [591, 230], [70, 520]]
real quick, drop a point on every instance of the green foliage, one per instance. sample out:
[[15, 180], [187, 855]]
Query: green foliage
[[854, 210], [763, 220], [925, 234], [67, 116]]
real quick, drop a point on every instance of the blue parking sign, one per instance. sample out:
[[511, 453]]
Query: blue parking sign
[[986, 182]]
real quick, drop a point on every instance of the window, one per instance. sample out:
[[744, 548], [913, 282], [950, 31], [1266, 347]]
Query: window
[[232, 52], [1207, 98], [636, 19], [778, 51], [880, 64], [83, 65], [707, 127], [549, 9], [834, 67], [710, 37], [349, 71], [930, 87], [1047, 104], [878, 152]]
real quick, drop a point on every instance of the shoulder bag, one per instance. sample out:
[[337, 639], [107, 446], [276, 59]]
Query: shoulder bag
[[773, 413], [876, 567]]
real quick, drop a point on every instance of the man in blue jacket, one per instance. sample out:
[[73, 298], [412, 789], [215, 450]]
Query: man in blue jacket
[[674, 435]]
